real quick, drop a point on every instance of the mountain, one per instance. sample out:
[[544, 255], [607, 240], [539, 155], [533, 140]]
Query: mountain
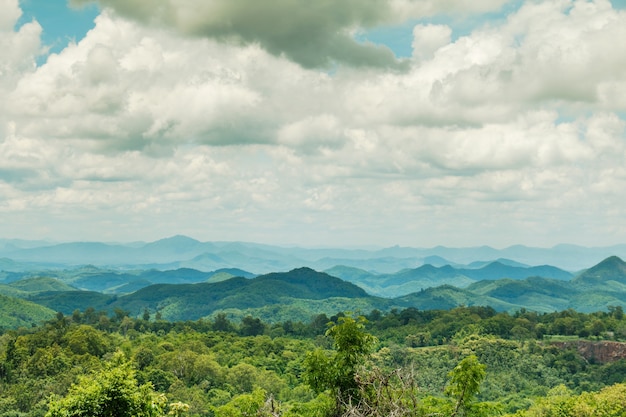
[[184, 252], [435, 260], [508, 262], [609, 272], [302, 292], [40, 284], [193, 301], [426, 276], [68, 301], [497, 270], [447, 297], [91, 278], [533, 293], [378, 264]]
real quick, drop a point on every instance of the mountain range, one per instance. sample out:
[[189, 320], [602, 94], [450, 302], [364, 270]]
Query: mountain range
[[184, 252], [39, 279], [301, 293]]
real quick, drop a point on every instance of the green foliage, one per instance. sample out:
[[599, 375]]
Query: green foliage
[[15, 312], [560, 402], [337, 371], [464, 384], [319, 368], [243, 405], [112, 392]]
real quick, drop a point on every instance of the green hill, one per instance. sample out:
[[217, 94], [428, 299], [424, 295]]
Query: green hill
[[40, 284], [15, 312], [447, 297], [192, 301], [610, 271], [535, 293], [304, 292], [68, 301]]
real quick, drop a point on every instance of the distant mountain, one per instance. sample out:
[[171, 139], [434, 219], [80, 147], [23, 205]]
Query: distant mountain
[[90, 278], [378, 264], [435, 260], [303, 292], [447, 297], [497, 270], [427, 276], [184, 252], [503, 261], [534, 293]]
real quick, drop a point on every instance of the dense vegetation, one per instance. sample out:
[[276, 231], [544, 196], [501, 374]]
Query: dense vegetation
[[465, 361]]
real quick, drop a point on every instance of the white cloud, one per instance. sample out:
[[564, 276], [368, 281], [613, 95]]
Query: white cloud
[[158, 132], [427, 39], [10, 13]]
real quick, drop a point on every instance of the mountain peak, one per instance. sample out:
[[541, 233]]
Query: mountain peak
[[178, 239], [612, 268], [612, 263]]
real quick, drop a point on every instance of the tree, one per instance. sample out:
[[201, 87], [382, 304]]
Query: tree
[[112, 392], [464, 384], [251, 326], [337, 371]]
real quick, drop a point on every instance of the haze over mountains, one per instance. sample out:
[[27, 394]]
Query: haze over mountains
[[184, 252], [184, 279]]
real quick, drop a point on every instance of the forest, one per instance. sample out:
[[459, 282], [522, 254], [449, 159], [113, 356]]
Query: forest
[[467, 361]]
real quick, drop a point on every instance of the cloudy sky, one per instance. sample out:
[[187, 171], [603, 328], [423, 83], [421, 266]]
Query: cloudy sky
[[333, 122]]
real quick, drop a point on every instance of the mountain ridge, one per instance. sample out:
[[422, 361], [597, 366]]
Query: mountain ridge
[[182, 251]]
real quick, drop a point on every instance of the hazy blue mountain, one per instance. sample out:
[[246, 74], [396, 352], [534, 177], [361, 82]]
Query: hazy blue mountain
[[435, 260], [497, 270], [504, 261], [352, 274], [423, 277], [428, 276], [378, 264], [76, 253], [181, 251]]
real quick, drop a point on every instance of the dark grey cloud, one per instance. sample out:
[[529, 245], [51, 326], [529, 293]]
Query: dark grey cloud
[[313, 34]]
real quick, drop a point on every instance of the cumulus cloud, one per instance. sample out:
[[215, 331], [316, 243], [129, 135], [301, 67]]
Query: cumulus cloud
[[207, 118], [313, 35], [429, 38]]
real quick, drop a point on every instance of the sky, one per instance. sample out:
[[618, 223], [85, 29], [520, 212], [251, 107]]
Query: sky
[[328, 123]]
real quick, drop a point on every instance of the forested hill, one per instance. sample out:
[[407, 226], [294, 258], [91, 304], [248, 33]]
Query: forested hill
[[303, 292], [193, 301]]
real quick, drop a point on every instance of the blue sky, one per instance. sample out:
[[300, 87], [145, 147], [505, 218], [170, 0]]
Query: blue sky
[[61, 24], [491, 122]]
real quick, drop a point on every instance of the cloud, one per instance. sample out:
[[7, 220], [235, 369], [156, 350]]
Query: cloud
[[19, 48], [427, 39], [188, 125], [315, 35]]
